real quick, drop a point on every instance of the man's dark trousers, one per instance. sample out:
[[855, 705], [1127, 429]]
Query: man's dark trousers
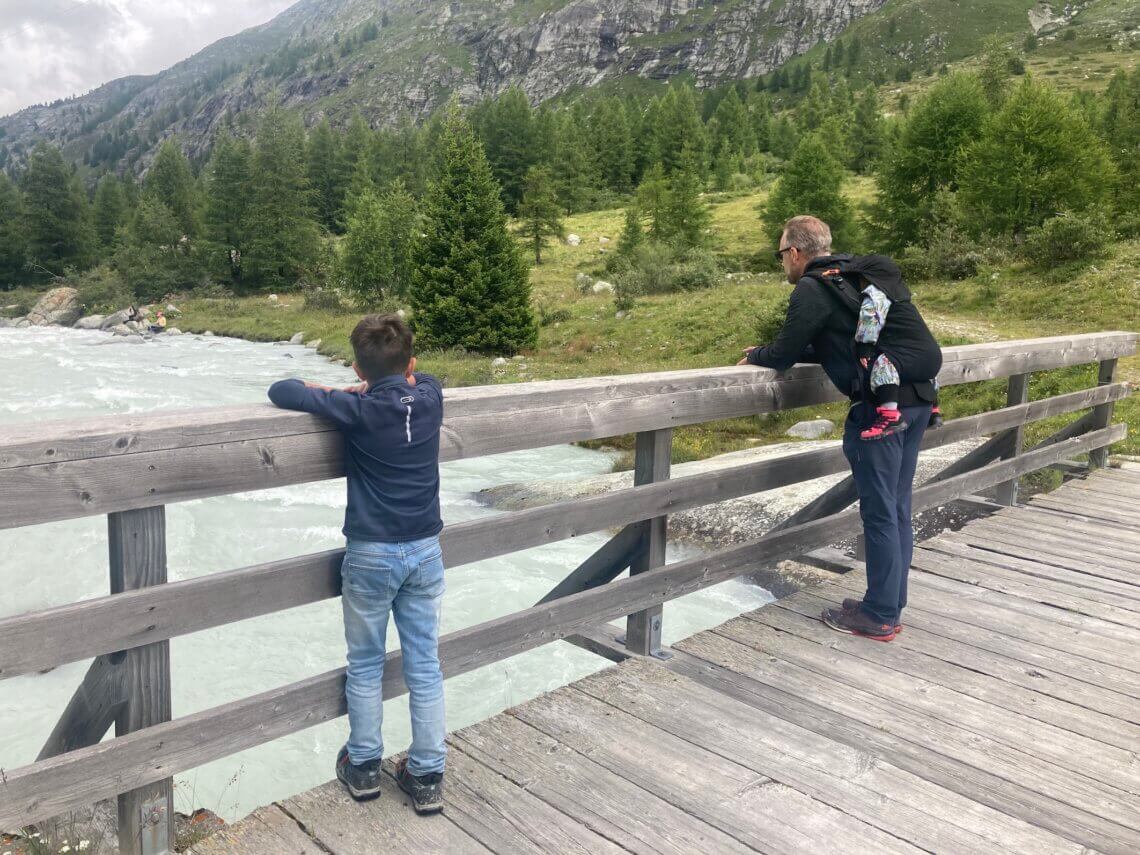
[[884, 476]]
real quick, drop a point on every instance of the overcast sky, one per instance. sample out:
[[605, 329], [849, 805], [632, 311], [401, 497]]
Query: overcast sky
[[52, 49]]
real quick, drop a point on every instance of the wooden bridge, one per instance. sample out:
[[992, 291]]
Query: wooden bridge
[[1003, 718]]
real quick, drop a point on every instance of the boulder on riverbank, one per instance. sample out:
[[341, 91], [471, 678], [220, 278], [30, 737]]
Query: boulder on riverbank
[[58, 307], [91, 322]]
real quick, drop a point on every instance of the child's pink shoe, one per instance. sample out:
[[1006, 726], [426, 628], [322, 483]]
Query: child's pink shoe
[[886, 422]]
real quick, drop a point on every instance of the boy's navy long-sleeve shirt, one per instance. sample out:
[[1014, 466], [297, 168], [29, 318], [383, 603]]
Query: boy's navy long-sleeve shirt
[[391, 442]]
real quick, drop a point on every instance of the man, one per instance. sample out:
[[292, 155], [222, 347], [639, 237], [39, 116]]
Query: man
[[820, 328]]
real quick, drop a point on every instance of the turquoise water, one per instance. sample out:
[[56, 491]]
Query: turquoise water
[[48, 374]]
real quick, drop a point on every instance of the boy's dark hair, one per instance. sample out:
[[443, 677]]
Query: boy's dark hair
[[382, 346]]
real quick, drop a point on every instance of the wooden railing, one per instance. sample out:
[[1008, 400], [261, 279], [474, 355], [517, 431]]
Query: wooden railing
[[129, 468]]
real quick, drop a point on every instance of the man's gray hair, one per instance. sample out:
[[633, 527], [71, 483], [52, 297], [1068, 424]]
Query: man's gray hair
[[810, 235]]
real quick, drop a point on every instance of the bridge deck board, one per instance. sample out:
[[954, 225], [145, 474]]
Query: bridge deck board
[[1005, 717]]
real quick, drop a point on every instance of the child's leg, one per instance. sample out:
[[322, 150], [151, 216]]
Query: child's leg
[[417, 609], [885, 388], [885, 382], [367, 586], [936, 420]]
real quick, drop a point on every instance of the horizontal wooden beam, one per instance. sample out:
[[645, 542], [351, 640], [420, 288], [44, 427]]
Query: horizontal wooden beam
[[82, 777], [39, 640], [65, 470]]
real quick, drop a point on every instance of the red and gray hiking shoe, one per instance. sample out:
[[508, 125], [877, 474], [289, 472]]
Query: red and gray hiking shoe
[[852, 605], [858, 623], [363, 782], [426, 790], [886, 422], [936, 420]]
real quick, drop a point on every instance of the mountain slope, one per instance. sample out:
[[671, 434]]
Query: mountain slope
[[388, 58], [393, 57]]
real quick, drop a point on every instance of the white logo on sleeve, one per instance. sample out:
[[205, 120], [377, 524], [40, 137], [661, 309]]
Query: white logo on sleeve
[[408, 422]]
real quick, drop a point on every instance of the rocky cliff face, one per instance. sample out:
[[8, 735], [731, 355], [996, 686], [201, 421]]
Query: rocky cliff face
[[407, 57]]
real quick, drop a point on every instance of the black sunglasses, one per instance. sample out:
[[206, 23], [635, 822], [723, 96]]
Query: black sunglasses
[[779, 253]]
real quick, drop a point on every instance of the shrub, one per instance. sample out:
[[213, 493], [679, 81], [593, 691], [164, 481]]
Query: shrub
[[948, 255], [324, 300], [556, 316], [656, 268], [1067, 237]]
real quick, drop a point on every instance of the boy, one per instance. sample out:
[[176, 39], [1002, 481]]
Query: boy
[[392, 559]]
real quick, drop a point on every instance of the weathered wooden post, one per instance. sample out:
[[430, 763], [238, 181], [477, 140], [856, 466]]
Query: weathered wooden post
[[1017, 393], [1102, 414], [651, 463], [137, 542]]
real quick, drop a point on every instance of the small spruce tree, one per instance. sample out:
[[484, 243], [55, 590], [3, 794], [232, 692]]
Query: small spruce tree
[[539, 212], [109, 209], [13, 239]]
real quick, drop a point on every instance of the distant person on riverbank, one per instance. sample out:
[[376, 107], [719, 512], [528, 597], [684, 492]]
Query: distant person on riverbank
[[392, 563], [159, 324], [820, 327]]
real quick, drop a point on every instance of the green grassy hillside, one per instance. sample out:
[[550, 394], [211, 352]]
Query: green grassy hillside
[[584, 335]]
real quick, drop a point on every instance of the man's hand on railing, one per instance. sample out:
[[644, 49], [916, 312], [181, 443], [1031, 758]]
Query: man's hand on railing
[[747, 353]]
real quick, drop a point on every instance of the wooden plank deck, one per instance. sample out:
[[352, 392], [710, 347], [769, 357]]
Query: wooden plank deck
[[1004, 718]]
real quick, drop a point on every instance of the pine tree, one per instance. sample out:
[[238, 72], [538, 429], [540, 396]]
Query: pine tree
[[994, 72], [505, 126], [324, 164], [13, 239], [678, 124], [811, 184], [470, 284], [575, 171], [760, 114], [59, 230], [355, 156], [783, 137], [731, 128], [653, 201], [378, 244], [866, 141], [924, 160], [110, 209], [171, 182], [540, 214], [687, 216], [613, 144], [1036, 156], [154, 256], [632, 235], [281, 236], [227, 203], [815, 108], [1120, 127]]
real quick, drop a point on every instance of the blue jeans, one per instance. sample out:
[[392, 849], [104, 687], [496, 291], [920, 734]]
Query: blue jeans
[[405, 579], [884, 478]]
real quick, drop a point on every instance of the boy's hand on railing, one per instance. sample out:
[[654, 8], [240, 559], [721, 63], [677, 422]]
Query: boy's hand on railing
[[359, 388], [747, 353]]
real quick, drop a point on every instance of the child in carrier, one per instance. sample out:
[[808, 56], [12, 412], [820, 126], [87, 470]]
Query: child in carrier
[[884, 380]]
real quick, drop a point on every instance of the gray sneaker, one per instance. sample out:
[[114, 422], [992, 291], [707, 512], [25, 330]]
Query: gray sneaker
[[426, 790], [363, 782]]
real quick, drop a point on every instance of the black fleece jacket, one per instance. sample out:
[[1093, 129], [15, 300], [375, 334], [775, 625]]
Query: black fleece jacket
[[820, 328]]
